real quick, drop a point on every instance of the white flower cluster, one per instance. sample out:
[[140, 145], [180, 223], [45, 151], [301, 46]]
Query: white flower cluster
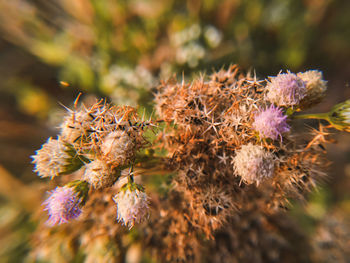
[[101, 141]]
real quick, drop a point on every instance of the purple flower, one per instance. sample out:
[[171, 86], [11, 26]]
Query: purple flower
[[286, 89], [62, 205], [271, 123]]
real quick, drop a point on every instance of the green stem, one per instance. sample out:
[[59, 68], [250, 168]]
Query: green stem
[[322, 116], [130, 179], [131, 174]]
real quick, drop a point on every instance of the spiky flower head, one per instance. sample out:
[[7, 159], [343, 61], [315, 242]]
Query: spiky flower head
[[286, 89], [339, 116], [271, 123], [64, 203], [315, 88], [99, 174], [253, 163], [132, 204], [118, 148], [56, 158], [76, 126]]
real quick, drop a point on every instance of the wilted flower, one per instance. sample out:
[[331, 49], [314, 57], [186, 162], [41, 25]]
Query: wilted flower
[[286, 89], [62, 205], [56, 158], [118, 147], [253, 163], [315, 88], [99, 174], [271, 123], [339, 116], [132, 203]]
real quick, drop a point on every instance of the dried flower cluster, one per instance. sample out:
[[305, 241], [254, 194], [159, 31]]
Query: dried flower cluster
[[233, 158], [231, 140], [100, 141]]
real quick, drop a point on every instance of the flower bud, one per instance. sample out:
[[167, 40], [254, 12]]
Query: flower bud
[[57, 158], [118, 148], [132, 204], [339, 116], [253, 163], [76, 126], [99, 174]]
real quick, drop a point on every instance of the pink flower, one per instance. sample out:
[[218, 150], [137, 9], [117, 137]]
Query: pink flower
[[62, 205], [271, 123], [286, 89]]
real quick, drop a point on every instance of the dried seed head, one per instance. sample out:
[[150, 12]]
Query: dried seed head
[[118, 148], [99, 174], [315, 88], [62, 205], [132, 204], [55, 158], [286, 89], [271, 123], [76, 126], [253, 163]]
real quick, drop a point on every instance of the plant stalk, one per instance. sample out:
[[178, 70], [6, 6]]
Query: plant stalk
[[322, 116]]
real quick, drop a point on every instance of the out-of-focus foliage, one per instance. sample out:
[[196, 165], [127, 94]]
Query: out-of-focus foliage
[[121, 48]]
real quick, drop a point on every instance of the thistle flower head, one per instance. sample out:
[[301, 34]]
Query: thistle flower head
[[132, 204], [62, 205], [99, 174], [286, 89], [118, 147], [253, 163], [56, 158], [339, 116], [271, 123], [315, 88]]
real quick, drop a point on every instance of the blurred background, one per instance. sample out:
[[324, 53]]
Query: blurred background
[[52, 50]]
